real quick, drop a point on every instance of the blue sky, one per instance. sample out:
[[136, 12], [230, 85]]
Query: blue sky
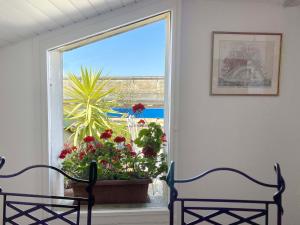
[[138, 52]]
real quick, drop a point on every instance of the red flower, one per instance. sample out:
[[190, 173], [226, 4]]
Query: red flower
[[106, 134], [82, 155], [99, 145], [149, 152], [91, 148], [63, 154], [116, 158], [68, 149], [130, 150], [141, 122], [129, 147], [109, 131], [132, 153], [116, 155], [164, 138], [88, 139], [103, 162], [119, 139], [138, 108]]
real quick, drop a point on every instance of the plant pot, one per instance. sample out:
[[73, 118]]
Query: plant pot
[[116, 191]]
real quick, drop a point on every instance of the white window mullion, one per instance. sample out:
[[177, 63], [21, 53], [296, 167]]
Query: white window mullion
[[56, 126]]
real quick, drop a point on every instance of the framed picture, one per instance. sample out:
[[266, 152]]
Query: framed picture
[[245, 63]]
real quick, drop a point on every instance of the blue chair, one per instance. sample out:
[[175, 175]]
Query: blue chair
[[31, 204], [257, 209]]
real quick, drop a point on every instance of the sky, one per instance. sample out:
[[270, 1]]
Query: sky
[[138, 52]]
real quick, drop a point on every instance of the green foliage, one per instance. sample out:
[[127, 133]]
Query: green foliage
[[116, 160], [151, 140], [88, 100], [150, 137]]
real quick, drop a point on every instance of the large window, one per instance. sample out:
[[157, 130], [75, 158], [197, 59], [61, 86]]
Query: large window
[[132, 60]]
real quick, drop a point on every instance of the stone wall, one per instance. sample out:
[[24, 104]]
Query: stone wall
[[148, 90]]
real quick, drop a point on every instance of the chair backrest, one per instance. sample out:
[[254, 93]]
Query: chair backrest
[[215, 207], [44, 209]]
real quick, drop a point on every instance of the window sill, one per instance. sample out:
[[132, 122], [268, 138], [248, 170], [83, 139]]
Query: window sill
[[127, 211], [153, 213], [129, 216]]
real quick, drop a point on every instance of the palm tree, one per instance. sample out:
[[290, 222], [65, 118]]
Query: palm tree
[[88, 101]]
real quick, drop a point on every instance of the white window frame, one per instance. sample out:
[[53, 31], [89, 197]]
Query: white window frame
[[45, 42], [55, 90]]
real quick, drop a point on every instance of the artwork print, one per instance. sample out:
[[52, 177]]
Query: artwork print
[[245, 63]]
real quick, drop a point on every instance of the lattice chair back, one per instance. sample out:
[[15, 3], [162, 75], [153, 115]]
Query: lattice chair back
[[247, 212], [33, 209]]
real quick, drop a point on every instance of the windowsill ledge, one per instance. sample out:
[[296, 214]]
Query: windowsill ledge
[[131, 211], [152, 213], [129, 216]]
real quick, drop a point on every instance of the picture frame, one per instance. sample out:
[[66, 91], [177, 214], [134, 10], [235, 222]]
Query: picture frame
[[245, 63]]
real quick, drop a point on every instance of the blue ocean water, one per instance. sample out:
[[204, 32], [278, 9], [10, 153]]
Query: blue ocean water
[[154, 113]]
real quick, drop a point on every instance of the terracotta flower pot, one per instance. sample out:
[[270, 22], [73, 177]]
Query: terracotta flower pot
[[116, 191]]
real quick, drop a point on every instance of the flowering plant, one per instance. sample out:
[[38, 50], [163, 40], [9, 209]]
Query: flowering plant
[[117, 159]]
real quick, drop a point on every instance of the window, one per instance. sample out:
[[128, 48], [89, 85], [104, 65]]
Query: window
[[134, 58]]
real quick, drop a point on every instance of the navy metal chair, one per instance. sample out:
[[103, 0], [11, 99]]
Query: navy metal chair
[[259, 209], [44, 209]]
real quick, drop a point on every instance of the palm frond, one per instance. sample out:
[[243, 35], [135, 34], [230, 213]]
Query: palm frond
[[88, 100]]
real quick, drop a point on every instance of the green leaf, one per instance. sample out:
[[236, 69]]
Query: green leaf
[[86, 104]]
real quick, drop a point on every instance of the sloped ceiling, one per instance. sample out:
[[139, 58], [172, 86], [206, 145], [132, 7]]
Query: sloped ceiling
[[21, 19]]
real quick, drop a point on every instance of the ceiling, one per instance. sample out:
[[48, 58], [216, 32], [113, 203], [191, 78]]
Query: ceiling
[[21, 19]]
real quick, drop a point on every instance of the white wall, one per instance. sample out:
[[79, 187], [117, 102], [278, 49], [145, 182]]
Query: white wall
[[23, 90], [249, 133], [20, 132]]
